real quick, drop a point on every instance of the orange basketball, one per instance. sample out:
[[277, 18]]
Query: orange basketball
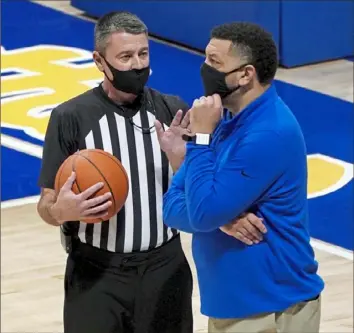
[[93, 166]]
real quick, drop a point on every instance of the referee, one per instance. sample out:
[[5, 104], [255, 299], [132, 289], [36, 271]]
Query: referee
[[128, 274]]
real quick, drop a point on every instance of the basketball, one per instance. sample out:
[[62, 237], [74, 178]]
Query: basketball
[[93, 166]]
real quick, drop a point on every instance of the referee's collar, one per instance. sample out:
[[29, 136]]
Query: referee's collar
[[126, 110]]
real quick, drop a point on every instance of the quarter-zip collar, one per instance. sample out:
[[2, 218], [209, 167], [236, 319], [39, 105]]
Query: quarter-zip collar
[[229, 123]]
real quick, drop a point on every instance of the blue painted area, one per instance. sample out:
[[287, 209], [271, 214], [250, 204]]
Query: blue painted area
[[26, 23], [327, 122], [332, 216], [19, 174]]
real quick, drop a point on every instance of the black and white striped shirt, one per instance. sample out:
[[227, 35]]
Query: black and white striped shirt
[[92, 120]]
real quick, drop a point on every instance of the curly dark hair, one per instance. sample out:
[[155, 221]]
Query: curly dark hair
[[254, 44]]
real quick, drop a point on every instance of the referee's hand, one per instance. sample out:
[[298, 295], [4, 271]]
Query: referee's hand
[[248, 229], [75, 207]]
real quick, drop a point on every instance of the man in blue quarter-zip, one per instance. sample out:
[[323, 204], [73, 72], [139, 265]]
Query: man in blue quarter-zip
[[250, 158]]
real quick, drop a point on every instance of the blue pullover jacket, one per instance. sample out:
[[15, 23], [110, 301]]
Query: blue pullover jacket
[[256, 163]]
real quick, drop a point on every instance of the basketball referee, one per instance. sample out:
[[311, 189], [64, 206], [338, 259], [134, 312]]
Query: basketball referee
[[128, 274]]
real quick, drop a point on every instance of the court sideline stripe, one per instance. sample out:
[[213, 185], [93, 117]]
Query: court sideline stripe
[[21, 146], [317, 244]]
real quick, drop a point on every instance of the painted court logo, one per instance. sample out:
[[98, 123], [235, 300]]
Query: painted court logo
[[36, 79]]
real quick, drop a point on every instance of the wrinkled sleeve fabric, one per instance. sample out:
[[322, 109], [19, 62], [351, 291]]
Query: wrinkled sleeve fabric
[[215, 195], [175, 213], [60, 142]]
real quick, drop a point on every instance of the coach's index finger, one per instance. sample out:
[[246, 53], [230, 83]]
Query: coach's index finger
[[159, 129], [217, 101]]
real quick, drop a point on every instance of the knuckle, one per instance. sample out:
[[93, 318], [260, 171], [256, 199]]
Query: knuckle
[[242, 223], [252, 228], [94, 210], [249, 235], [237, 227], [260, 223], [258, 226], [238, 234], [255, 233], [82, 205], [256, 222], [95, 201], [246, 232]]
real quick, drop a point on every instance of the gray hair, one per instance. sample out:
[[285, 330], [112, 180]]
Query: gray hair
[[120, 21]]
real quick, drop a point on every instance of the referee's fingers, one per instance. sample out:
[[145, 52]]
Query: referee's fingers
[[97, 200], [69, 182], [90, 191], [177, 118], [159, 128]]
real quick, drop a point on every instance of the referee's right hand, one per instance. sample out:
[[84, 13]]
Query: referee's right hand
[[75, 207]]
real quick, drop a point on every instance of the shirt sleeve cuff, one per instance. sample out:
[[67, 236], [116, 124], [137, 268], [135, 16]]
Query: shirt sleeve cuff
[[192, 145]]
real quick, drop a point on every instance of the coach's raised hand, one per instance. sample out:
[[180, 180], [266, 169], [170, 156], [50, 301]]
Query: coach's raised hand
[[75, 207], [205, 114]]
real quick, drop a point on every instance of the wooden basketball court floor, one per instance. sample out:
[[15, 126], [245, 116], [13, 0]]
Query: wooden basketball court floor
[[32, 266], [32, 259]]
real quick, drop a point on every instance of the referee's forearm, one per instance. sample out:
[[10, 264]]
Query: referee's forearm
[[44, 206]]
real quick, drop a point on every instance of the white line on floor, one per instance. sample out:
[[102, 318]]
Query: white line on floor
[[21, 146], [317, 244], [19, 202]]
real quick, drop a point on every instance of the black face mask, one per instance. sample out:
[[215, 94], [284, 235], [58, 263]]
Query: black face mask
[[132, 81], [214, 81]]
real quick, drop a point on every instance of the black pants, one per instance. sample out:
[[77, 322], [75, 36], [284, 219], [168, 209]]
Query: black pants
[[147, 292]]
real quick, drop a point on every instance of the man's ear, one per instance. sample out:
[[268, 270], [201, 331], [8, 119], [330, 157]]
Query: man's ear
[[249, 74], [98, 61]]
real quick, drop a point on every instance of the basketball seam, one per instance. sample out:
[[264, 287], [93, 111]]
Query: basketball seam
[[58, 177], [119, 165], [73, 169], [99, 171]]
